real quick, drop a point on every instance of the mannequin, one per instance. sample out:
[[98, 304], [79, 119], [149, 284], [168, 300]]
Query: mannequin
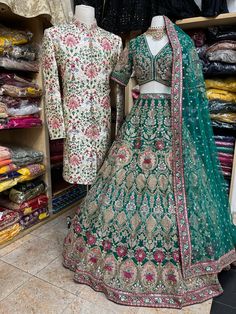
[[155, 46], [85, 14]]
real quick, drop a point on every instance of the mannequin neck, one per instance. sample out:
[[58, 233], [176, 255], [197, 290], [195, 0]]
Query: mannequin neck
[[158, 21], [85, 14]]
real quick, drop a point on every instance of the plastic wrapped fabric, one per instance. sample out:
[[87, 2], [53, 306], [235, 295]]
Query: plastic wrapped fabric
[[33, 218], [5, 162], [219, 106], [23, 122], [227, 139], [16, 102], [19, 65], [10, 167], [214, 7], [31, 172], [23, 110], [8, 218], [11, 37], [227, 56], [26, 191], [214, 93], [24, 52], [224, 117], [198, 36], [15, 91], [22, 156], [27, 207], [3, 110], [5, 153], [8, 184], [223, 125], [228, 84], [9, 233], [223, 32], [9, 175], [222, 45], [218, 68]]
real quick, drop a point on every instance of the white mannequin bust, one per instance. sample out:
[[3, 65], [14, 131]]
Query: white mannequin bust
[[85, 14], [155, 46]]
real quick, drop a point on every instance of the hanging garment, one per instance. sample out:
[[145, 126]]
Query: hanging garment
[[81, 58], [155, 227], [130, 15]]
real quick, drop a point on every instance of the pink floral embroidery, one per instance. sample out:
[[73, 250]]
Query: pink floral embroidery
[[128, 274], [93, 259], [106, 245], [92, 132], [73, 103], [149, 277], [176, 256], [91, 239], [140, 255], [70, 40], [160, 145], [75, 160], [106, 44], [55, 123], [78, 229], [108, 267], [159, 256], [47, 62], [91, 70], [106, 102], [121, 251]]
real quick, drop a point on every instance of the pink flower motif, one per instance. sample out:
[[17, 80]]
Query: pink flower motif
[[92, 132], [55, 123], [147, 161], [73, 103], [91, 239], [121, 251], [140, 255], [149, 277], [108, 267], [106, 102], [78, 229], [127, 274], [106, 245], [106, 45], [160, 145], [93, 259], [70, 40], [176, 256], [171, 277], [75, 160], [47, 62], [158, 256], [91, 70]]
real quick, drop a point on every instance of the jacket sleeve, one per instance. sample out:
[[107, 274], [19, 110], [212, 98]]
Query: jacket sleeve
[[53, 97]]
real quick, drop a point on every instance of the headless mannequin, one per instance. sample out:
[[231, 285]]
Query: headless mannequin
[[155, 46], [85, 14]]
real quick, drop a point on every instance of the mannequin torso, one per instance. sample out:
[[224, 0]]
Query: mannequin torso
[[85, 14], [155, 46]]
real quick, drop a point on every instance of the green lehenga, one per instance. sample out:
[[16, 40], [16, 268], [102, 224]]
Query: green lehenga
[[155, 228]]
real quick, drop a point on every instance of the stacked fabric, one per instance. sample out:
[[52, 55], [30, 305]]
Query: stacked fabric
[[225, 148], [28, 200], [9, 225], [56, 151], [19, 164], [19, 96], [221, 93]]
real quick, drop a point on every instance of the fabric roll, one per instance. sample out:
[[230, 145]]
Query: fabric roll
[[214, 93]]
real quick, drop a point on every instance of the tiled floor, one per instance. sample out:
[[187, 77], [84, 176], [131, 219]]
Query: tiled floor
[[33, 281]]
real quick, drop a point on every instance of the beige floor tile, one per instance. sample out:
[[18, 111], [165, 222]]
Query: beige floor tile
[[14, 245], [99, 299], [44, 228], [10, 279], [80, 306], [36, 297], [59, 276], [33, 255]]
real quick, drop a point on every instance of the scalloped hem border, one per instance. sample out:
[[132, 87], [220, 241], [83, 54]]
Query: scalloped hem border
[[145, 300]]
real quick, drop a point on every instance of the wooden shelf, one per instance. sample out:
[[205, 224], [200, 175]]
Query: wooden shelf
[[202, 22]]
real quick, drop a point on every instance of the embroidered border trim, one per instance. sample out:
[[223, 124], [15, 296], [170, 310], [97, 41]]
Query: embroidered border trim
[[188, 269], [144, 299]]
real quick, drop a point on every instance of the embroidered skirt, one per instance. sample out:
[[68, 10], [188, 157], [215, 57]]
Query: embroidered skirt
[[124, 239]]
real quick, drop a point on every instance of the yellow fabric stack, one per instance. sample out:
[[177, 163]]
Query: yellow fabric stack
[[222, 89]]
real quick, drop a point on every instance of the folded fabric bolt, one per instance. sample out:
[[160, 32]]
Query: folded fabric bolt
[[25, 52], [23, 122], [9, 233], [23, 110], [33, 218], [26, 207], [8, 168], [222, 45], [23, 155], [30, 172], [19, 65], [224, 117], [11, 37], [218, 68], [227, 84], [15, 91], [227, 56], [214, 93], [26, 191], [8, 218], [4, 185], [9, 175]]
